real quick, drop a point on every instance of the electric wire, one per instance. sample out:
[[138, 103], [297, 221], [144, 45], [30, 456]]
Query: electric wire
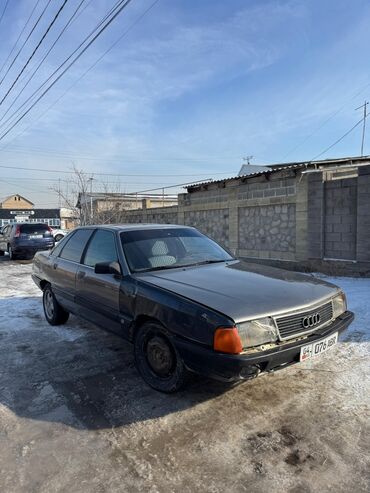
[[336, 112], [43, 170], [25, 41], [84, 73], [50, 26], [20, 35], [339, 140], [3, 12], [69, 22], [34, 94]]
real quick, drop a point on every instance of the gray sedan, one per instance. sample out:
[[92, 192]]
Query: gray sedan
[[186, 304]]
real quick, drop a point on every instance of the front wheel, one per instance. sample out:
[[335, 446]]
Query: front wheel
[[54, 312], [157, 359]]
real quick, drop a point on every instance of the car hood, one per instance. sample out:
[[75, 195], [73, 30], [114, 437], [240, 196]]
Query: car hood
[[241, 290]]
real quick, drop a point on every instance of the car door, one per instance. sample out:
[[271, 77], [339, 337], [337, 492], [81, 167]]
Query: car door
[[65, 265], [98, 294]]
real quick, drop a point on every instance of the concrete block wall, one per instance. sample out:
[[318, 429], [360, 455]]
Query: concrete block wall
[[340, 219], [363, 215], [287, 216]]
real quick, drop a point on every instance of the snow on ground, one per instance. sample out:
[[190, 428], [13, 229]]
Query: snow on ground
[[75, 416]]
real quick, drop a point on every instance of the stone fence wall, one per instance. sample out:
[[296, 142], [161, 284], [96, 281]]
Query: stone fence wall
[[297, 216]]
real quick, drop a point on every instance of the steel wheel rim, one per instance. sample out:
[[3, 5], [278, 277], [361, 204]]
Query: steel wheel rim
[[49, 304], [160, 357]]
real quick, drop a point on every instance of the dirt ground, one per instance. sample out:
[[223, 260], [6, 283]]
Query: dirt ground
[[75, 415]]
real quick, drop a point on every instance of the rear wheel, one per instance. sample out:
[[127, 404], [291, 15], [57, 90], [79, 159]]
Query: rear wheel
[[12, 255], [1, 253], [157, 359], [54, 312]]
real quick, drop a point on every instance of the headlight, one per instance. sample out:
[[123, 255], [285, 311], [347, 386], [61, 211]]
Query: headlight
[[339, 305], [257, 332]]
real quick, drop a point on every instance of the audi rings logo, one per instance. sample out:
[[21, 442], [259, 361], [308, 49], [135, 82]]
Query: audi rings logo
[[311, 320]]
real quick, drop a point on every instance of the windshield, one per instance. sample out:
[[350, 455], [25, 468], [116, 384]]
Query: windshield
[[156, 249]]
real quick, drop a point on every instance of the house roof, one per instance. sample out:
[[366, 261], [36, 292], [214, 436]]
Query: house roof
[[15, 195], [273, 168]]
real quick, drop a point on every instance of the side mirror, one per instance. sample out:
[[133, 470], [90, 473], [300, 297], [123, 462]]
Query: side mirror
[[108, 268]]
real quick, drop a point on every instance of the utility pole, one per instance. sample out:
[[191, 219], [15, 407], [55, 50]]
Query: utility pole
[[364, 106], [59, 195], [91, 199]]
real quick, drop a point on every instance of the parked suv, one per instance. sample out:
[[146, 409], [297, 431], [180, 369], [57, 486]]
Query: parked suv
[[25, 239]]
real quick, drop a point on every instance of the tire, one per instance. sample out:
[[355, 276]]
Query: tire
[[54, 312], [12, 256], [1, 253], [157, 360], [58, 237]]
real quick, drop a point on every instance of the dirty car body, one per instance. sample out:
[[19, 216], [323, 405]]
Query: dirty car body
[[187, 304]]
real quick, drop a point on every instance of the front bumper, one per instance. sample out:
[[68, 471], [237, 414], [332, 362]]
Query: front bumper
[[230, 368]]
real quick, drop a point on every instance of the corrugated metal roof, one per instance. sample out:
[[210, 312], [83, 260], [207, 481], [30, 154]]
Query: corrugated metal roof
[[250, 175], [280, 167]]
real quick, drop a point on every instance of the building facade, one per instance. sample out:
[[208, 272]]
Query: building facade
[[16, 208], [16, 202]]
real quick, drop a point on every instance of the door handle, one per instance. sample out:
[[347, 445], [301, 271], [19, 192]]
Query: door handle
[[81, 274]]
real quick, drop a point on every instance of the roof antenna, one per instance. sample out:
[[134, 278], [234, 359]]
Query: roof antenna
[[248, 159]]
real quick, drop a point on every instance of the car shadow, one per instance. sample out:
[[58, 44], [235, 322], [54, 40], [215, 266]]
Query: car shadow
[[78, 374], [82, 376]]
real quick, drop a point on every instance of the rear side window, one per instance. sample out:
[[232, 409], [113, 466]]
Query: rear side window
[[75, 245], [102, 248], [33, 229]]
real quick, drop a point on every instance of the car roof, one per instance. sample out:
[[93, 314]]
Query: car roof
[[135, 226]]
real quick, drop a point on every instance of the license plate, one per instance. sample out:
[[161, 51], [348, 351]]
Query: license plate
[[35, 237], [319, 347]]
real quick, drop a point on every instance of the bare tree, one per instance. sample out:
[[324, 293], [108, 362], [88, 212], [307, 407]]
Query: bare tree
[[74, 196]]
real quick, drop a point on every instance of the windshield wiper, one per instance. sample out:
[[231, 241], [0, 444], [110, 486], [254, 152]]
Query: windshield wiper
[[204, 262]]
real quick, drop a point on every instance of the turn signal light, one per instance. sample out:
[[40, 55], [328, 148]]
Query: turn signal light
[[227, 340]]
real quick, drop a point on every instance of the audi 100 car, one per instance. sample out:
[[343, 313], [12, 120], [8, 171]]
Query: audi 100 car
[[187, 304]]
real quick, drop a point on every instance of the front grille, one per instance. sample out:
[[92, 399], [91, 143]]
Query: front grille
[[293, 325]]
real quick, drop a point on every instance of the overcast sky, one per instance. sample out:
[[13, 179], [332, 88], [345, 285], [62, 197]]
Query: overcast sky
[[191, 89]]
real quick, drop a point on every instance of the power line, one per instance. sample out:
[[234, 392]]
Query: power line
[[337, 141], [20, 35], [25, 41], [3, 12], [43, 59], [43, 170], [88, 70], [336, 112], [120, 5], [30, 150], [35, 49], [364, 107]]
